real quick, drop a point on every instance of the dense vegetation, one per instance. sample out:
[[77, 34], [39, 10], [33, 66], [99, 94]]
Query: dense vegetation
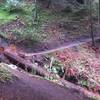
[[34, 18]]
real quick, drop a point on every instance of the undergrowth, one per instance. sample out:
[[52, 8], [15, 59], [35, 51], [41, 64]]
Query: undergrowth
[[5, 17], [33, 17], [5, 75]]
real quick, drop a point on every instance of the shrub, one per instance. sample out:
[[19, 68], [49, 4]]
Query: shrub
[[12, 4], [5, 75], [5, 17]]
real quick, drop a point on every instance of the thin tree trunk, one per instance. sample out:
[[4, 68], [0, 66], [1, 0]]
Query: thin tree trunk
[[91, 23], [35, 16], [49, 3], [99, 13]]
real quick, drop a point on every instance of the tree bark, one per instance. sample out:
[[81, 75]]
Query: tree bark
[[24, 64], [99, 13], [91, 23]]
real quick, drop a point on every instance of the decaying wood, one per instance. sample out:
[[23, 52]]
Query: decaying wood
[[25, 64], [80, 90], [42, 71]]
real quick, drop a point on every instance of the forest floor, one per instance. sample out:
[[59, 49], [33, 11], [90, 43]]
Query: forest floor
[[55, 30], [55, 35], [64, 51], [78, 64], [80, 61]]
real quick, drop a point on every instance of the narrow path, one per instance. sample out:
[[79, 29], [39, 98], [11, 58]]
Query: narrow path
[[61, 47]]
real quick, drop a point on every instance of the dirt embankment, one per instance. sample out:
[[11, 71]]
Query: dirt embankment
[[26, 87]]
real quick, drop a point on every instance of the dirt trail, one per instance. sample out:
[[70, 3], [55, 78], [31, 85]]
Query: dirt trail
[[60, 47], [26, 87]]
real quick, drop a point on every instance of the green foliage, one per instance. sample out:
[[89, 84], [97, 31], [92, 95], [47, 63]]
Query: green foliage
[[28, 34], [6, 17], [33, 71], [33, 30], [5, 75], [79, 14], [34, 16], [95, 9], [56, 68], [10, 5], [30, 14], [5, 8], [59, 68], [27, 12], [85, 83]]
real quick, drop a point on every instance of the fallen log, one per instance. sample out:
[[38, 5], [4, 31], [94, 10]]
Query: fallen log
[[67, 84], [81, 90], [43, 72], [24, 64]]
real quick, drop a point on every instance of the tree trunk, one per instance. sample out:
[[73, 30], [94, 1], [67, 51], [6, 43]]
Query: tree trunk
[[99, 13], [91, 23]]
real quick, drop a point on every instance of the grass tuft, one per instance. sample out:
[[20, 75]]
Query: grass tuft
[[5, 17], [5, 75]]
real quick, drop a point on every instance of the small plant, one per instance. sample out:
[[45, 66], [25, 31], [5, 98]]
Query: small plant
[[5, 75], [11, 4], [55, 68], [5, 17]]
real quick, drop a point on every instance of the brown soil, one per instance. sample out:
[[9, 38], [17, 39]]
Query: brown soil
[[26, 87]]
